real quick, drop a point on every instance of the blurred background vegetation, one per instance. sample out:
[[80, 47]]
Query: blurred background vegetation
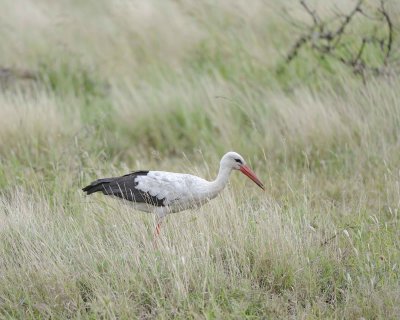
[[99, 88]]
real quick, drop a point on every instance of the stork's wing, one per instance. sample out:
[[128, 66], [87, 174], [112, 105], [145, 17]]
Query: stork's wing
[[125, 187], [157, 188]]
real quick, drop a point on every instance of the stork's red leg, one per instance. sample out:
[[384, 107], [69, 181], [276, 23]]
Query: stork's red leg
[[160, 214], [156, 234], [157, 230]]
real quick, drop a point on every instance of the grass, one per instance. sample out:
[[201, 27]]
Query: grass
[[123, 86]]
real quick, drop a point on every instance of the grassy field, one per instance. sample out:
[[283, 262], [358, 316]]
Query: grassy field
[[101, 88]]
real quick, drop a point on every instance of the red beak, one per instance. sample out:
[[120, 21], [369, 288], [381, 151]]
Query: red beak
[[248, 172]]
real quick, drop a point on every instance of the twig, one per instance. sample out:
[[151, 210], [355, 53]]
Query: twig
[[330, 38], [326, 241], [390, 29], [312, 13], [348, 18]]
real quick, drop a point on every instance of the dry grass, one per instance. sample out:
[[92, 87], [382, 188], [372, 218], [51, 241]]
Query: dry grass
[[173, 85]]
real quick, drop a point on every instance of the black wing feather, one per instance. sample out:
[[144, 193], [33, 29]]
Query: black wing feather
[[124, 187]]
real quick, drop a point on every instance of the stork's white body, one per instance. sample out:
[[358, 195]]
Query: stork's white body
[[179, 191]]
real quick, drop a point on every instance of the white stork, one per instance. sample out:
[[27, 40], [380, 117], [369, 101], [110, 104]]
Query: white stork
[[163, 192]]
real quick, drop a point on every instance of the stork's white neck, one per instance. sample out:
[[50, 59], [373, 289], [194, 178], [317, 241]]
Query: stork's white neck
[[222, 179]]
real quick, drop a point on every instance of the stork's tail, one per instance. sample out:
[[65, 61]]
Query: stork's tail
[[98, 185]]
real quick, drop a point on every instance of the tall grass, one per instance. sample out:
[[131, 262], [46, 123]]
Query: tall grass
[[171, 85]]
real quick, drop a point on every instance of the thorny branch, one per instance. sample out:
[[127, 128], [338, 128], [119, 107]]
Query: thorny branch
[[312, 13], [332, 38], [390, 31]]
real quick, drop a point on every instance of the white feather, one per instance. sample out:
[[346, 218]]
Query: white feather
[[180, 191]]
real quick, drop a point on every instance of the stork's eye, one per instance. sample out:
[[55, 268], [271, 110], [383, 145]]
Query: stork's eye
[[239, 161]]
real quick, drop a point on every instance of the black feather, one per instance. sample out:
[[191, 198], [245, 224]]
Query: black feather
[[124, 187]]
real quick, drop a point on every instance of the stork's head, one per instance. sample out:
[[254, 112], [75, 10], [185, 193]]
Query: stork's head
[[235, 161]]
